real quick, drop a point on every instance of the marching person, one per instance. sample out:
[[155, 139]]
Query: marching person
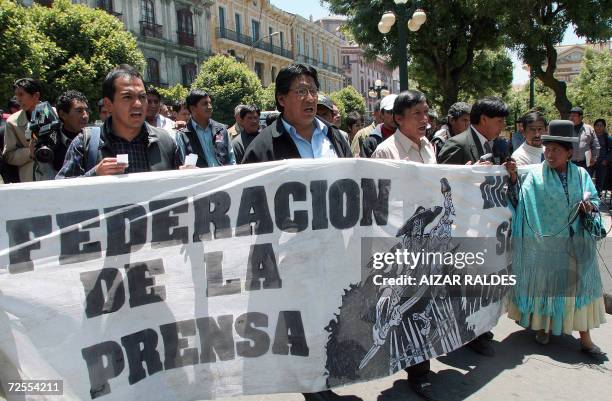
[[298, 134], [409, 142], [556, 291], [124, 132], [530, 151]]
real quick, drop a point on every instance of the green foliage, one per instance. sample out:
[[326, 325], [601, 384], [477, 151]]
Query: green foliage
[[592, 89], [25, 50], [348, 100], [445, 53], [66, 46], [534, 27], [230, 83], [518, 101], [173, 93], [268, 100]]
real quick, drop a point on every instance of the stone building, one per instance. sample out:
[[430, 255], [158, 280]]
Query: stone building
[[256, 32], [569, 58], [320, 48], [174, 35]]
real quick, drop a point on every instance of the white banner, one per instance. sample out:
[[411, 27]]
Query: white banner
[[291, 276]]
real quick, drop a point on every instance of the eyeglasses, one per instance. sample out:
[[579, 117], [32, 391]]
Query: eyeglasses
[[304, 91]]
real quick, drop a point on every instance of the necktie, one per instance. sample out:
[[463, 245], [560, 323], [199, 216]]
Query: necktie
[[487, 147]]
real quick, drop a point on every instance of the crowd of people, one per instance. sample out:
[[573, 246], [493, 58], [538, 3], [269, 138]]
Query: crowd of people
[[135, 122]]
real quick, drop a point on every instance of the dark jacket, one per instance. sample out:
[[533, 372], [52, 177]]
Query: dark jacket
[[466, 147], [275, 143], [369, 145], [187, 139], [162, 153], [240, 143]]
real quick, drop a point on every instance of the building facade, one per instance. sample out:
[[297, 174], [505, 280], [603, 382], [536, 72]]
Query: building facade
[[316, 46], [174, 35], [569, 58], [255, 32], [357, 71]]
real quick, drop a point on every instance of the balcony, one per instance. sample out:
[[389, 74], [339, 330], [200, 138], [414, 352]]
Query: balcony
[[186, 38], [307, 60], [150, 29], [224, 33]]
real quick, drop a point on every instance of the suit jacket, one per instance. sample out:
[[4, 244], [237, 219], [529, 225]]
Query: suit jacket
[[16, 146], [466, 147], [275, 143], [188, 140]]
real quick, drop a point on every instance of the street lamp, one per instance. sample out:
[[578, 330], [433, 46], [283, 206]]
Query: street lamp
[[252, 48], [378, 90], [413, 24]]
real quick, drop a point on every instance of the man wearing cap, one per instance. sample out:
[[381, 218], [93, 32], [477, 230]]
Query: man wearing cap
[[382, 131], [587, 141], [327, 110]]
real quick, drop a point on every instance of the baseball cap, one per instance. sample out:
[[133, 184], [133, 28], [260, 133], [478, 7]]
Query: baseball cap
[[325, 102], [577, 110], [386, 103]]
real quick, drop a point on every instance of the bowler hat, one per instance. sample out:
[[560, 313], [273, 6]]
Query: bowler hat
[[560, 131]]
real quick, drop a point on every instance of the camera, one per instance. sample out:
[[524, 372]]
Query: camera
[[45, 129]]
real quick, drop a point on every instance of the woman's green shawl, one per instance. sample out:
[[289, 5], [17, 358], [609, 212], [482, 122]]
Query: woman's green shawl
[[545, 280]]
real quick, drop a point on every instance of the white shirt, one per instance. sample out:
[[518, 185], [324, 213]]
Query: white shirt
[[527, 154], [399, 147]]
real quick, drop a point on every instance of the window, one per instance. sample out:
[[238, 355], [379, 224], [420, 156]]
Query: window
[[273, 74], [259, 67], [185, 21], [270, 32], [298, 44], [153, 70], [238, 22], [189, 72], [106, 5], [307, 44], [222, 18], [282, 40], [255, 30], [148, 11]]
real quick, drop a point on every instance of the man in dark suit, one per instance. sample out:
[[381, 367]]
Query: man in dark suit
[[298, 134], [488, 119]]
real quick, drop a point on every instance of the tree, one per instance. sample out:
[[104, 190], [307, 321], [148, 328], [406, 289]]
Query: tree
[[489, 75], [268, 98], [25, 50], [66, 46], [592, 89], [444, 52], [348, 100], [173, 93], [230, 83], [535, 27]]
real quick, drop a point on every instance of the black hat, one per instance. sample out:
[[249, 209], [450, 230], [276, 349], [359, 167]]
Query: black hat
[[577, 110], [560, 131]]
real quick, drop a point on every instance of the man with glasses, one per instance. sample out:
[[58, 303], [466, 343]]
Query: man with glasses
[[297, 133]]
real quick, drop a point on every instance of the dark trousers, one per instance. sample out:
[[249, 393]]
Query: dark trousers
[[601, 173], [418, 370]]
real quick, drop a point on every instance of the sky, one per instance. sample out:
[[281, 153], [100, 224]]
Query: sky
[[314, 8]]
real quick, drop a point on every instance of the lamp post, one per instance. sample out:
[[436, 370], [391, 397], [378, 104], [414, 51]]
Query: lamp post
[[252, 48], [378, 90], [413, 24]]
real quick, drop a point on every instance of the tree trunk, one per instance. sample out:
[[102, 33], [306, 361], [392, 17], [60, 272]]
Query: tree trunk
[[562, 103]]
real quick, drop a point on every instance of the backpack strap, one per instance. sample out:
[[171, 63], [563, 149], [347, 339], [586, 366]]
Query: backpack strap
[[91, 146]]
